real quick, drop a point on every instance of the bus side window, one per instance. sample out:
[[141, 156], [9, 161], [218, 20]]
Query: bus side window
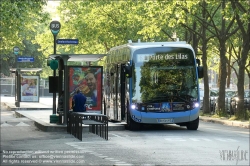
[[128, 71]]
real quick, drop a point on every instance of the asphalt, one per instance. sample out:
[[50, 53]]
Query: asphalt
[[40, 113]]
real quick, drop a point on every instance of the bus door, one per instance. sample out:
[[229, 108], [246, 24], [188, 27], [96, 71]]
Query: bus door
[[112, 97], [120, 95], [122, 91], [117, 103], [117, 100]]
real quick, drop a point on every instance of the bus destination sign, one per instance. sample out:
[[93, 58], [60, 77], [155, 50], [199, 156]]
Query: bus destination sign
[[161, 57]]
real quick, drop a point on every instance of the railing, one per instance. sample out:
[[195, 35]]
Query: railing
[[98, 124]]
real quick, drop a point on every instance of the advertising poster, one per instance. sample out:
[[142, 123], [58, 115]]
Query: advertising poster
[[88, 80], [29, 88]]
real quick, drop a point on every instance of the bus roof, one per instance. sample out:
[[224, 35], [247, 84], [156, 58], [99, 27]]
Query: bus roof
[[153, 44]]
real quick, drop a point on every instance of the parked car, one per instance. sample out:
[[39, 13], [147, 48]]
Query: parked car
[[213, 94], [213, 98], [235, 99], [228, 96]]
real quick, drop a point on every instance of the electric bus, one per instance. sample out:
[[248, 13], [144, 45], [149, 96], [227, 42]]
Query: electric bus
[[152, 83]]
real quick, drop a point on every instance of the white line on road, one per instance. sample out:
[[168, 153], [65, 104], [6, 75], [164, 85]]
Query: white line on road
[[194, 139], [175, 139], [226, 140], [178, 139], [5, 125], [22, 124]]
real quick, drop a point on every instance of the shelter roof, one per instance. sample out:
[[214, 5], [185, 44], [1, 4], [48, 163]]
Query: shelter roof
[[26, 69]]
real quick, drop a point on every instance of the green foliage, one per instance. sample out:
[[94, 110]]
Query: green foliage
[[101, 25], [19, 22]]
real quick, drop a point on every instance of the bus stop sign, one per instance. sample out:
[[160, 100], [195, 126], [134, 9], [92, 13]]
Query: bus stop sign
[[55, 27]]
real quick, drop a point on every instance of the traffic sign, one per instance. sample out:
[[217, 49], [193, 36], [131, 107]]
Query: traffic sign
[[67, 41], [25, 59], [16, 50], [55, 27]]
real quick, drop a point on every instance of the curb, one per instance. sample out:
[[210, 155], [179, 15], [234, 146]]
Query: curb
[[11, 107], [226, 122], [47, 127]]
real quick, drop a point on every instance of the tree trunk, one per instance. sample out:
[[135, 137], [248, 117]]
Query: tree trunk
[[223, 70], [229, 68], [206, 101], [241, 113]]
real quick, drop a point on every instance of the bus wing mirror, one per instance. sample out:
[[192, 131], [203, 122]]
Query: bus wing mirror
[[198, 62], [128, 71], [200, 71]]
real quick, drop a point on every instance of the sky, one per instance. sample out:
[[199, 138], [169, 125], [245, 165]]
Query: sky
[[51, 8]]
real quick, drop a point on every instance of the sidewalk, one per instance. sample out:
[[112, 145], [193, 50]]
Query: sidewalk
[[40, 113], [235, 123]]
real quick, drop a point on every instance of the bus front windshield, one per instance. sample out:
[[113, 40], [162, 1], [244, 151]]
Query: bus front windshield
[[164, 75]]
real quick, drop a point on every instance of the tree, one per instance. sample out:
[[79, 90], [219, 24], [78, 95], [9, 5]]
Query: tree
[[222, 31], [242, 15], [18, 19]]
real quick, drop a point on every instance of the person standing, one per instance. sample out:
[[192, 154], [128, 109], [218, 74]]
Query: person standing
[[78, 102]]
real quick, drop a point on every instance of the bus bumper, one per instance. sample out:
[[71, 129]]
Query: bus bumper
[[164, 118]]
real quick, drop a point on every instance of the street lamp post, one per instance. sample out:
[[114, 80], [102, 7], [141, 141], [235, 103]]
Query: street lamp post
[[17, 77]]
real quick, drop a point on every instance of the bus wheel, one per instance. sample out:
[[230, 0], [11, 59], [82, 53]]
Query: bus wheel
[[131, 124], [193, 125]]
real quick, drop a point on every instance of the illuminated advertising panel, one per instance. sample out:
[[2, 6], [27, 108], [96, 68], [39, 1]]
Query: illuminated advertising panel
[[29, 88], [88, 79]]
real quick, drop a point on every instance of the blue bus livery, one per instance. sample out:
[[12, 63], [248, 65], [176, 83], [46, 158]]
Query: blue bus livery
[[152, 83]]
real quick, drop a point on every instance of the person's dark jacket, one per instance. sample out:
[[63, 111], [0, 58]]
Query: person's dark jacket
[[79, 101]]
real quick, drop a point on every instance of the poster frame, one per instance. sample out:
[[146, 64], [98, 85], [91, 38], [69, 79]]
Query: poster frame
[[99, 77], [24, 98]]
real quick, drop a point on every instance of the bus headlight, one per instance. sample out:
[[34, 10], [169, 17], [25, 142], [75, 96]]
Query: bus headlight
[[196, 105], [133, 106]]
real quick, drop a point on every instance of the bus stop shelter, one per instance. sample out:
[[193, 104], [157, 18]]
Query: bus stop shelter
[[18, 73], [63, 73]]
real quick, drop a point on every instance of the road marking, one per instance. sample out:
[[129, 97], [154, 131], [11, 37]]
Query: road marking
[[205, 139], [226, 140], [101, 156], [5, 125], [87, 149], [120, 135], [115, 135], [226, 131], [22, 124], [194, 139], [175, 139], [179, 139]]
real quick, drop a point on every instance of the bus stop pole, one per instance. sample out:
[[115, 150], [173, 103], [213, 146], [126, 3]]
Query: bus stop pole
[[66, 89], [54, 74], [55, 28]]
